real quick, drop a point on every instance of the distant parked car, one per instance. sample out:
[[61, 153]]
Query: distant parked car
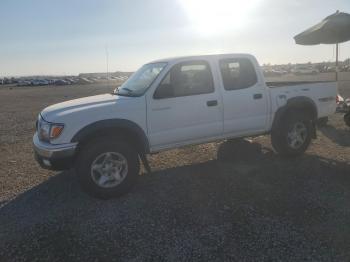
[[72, 81], [83, 80], [61, 82], [39, 82], [345, 68], [274, 72], [14, 80], [330, 69], [24, 83], [92, 79], [305, 70], [7, 81], [75, 80]]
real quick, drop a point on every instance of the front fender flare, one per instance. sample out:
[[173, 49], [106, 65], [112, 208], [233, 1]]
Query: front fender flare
[[109, 124]]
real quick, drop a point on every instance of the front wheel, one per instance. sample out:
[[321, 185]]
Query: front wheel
[[107, 168], [293, 136]]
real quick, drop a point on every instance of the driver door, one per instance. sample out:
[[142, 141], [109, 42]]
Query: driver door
[[185, 107]]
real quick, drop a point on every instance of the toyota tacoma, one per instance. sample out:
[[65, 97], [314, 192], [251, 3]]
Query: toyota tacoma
[[171, 103]]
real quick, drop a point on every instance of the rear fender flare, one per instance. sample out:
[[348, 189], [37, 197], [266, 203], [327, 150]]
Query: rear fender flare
[[295, 103]]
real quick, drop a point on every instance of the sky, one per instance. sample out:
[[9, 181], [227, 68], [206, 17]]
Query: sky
[[63, 37]]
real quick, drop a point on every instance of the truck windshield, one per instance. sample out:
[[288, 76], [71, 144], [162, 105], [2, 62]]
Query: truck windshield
[[138, 83]]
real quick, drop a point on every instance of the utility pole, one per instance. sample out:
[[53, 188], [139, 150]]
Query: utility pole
[[336, 61], [107, 62]]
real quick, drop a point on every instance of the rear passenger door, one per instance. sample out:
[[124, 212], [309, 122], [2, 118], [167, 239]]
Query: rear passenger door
[[185, 106], [245, 98]]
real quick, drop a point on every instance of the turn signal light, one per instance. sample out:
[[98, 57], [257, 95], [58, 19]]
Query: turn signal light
[[56, 131]]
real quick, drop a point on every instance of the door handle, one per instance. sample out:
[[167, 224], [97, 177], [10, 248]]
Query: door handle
[[257, 96], [161, 108], [212, 103]]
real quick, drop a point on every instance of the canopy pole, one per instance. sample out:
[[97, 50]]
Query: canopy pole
[[336, 60]]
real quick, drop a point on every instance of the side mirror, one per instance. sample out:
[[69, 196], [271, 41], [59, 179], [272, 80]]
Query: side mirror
[[164, 91]]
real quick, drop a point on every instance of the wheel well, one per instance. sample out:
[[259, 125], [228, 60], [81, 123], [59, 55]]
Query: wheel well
[[127, 135], [307, 109], [121, 128], [304, 106]]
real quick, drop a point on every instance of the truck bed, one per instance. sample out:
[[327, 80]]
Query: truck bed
[[322, 94]]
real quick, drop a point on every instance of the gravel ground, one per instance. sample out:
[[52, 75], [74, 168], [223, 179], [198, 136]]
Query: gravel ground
[[223, 201]]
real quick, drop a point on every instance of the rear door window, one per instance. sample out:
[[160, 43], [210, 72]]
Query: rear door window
[[237, 73]]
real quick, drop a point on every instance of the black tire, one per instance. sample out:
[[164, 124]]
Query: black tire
[[347, 119], [94, 151], [279, 136]]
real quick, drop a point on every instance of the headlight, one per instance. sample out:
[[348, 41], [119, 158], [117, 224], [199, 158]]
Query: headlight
[[47, 130]]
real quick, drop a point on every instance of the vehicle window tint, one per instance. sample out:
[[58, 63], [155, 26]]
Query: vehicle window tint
[[186, 79], [237, 73]]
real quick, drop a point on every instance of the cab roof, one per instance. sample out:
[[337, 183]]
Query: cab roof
[[199, 57]]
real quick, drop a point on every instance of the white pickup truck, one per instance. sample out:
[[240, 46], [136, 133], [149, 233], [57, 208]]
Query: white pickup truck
[[171, 103]]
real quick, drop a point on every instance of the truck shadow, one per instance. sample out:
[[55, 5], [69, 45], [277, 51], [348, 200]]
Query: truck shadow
[[246, 183], [338, 136], [232, 156]]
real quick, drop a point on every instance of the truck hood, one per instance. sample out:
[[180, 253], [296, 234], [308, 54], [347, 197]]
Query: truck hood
[[56, 112], [79, 113]]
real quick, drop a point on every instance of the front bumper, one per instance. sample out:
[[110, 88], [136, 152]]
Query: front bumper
[[54, 157]]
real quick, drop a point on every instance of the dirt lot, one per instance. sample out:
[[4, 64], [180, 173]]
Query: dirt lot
[[203, 202]]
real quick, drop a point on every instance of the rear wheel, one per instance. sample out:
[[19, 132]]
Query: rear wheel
[[107, 167], [293, 136]]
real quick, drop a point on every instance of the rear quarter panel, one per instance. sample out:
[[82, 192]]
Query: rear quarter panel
[[322, 94]]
